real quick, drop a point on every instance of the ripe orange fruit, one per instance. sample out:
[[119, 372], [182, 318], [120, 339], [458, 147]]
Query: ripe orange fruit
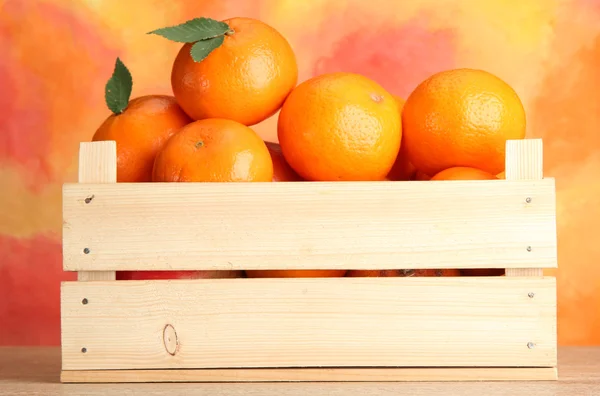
[[463, 173], [295, 273], [245, 79], [340, 127], [461, 117], [140, 131], [501, 175], [282, 171], [402, 168], [214, 150]]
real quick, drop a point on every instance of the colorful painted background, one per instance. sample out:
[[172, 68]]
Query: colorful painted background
[[56, 55]]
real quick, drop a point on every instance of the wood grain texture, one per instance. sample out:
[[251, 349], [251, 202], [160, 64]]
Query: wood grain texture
[[314, 374], [539, 272], [35, 371], [335, 322], [354, 225], [525, 161], [97, 164]]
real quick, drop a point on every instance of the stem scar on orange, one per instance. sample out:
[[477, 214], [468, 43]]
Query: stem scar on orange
[[214, 150], [140, 127], [461, 117], [240, 69]]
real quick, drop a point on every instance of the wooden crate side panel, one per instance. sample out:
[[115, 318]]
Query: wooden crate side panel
[[343, 322], [378, 374], [357, 225]]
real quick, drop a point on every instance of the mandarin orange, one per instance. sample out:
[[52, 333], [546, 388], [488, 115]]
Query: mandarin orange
[[340, 127], [214, 150], [461, 117], [140, 131], [245, 79]]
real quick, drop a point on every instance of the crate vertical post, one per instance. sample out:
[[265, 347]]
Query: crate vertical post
[[97, 164], [525, 161]]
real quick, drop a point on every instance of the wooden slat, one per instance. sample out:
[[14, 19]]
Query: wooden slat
[[335, 322], [97, 164], [354, 225], [525, 161], [379, 374]]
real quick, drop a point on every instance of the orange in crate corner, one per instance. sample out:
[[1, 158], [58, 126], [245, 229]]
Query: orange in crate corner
[[140, 127], [461, 117]]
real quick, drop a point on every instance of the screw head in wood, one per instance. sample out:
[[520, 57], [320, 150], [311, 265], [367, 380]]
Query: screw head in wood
[[529, 248], [86, 251], [531, 294], [530, 345], [83, 350], [528, 199], [84, 301]]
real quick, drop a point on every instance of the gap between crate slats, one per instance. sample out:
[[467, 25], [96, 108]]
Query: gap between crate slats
[[377, 374], [319, 322]]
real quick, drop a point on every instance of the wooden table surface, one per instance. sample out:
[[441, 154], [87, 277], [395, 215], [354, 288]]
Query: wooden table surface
[[35, 371]]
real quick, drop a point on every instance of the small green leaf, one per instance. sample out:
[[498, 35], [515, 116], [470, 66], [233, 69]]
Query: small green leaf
[[202, 49], [193, 30], [118, 88]]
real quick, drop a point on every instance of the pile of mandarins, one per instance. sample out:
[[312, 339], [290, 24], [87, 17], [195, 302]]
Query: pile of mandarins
[[232, 74]]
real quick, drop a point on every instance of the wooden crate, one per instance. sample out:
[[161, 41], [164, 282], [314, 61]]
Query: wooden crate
[[320, 329]]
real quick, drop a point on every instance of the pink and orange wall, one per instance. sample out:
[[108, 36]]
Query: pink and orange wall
[[56, 55]]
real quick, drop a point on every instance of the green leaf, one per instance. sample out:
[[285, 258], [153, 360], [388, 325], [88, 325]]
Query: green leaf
[[118, 88], [193, 30], [202, 49]]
